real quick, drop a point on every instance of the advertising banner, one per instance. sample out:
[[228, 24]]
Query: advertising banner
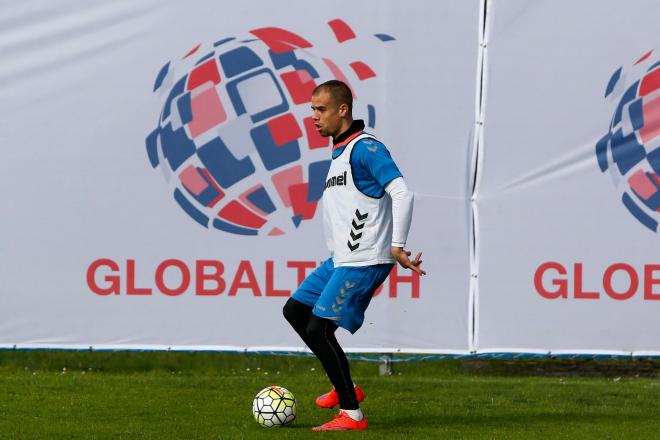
[[162, 178], [568, 196]]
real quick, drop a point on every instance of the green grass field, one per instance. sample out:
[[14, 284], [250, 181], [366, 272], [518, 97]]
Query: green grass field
[[135, 395]]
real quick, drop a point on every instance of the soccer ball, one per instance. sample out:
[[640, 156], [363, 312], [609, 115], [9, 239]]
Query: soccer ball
[[274, 406]]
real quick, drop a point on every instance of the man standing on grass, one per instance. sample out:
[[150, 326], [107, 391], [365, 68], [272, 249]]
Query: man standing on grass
[[367, 210]]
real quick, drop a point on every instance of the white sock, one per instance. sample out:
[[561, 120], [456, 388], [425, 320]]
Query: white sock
[[355, 414]]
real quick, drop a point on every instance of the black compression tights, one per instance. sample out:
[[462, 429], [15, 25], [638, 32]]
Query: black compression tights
[[319, 335]]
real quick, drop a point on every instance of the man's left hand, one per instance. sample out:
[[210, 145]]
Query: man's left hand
[[402, 255]]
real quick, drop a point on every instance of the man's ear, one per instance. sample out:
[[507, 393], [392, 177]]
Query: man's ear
[[343, 110]]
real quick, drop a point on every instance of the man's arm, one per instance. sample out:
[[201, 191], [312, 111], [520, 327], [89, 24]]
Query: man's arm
[[402, 209], [373, 158]]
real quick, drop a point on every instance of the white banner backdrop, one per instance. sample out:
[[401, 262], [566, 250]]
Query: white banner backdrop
[[145, 143], [568, 195]]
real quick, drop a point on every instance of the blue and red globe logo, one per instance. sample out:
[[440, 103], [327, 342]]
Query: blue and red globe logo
[[235, 138], [631, 148]]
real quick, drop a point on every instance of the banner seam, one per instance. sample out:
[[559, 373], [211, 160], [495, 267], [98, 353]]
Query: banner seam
[[475, 174]]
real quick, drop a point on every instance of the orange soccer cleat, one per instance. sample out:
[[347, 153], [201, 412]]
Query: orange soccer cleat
[[343, 422], [331, 399]]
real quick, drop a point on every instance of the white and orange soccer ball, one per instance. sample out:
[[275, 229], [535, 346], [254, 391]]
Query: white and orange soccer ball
[[274, 406]]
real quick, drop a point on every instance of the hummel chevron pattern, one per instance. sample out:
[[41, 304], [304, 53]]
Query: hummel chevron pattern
[[355, 236], [358, 226]]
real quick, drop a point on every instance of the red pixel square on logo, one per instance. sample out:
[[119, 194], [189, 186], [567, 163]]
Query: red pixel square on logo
[[300, 84], [284, 129]]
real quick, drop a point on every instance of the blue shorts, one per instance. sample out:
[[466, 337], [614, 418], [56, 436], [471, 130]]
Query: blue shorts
[[342, 294]]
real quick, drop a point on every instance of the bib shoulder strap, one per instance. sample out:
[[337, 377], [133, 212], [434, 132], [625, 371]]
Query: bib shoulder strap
[[357, 139]]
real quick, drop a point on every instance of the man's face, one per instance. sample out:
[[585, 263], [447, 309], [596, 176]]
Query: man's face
[[327, 115]]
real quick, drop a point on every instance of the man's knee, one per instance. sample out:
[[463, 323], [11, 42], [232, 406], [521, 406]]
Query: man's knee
[[294, 311], [288, 310]]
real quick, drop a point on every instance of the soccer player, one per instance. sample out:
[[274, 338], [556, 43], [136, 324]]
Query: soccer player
[[367, 210]]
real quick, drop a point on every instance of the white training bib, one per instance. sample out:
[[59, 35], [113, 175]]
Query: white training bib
[[358, 227]]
